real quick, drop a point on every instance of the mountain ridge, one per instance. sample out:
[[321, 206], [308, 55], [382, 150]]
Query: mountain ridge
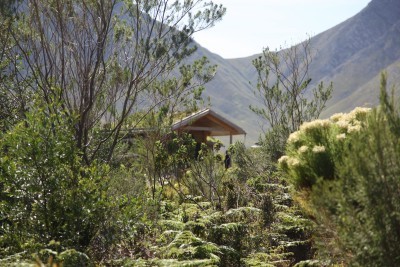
[[351, 55]]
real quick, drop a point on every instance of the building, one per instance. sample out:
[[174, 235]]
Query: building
[[205, 123]]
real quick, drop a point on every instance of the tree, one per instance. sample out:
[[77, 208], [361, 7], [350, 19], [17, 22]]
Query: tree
[[111, 59], [91, 67], [283, 88], [7, 7], [12, 104]]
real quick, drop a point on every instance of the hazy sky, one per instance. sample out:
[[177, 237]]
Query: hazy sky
[[251, 25]]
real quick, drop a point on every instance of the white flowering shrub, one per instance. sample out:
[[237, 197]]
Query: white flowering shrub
[[346, 175], [313, 151]]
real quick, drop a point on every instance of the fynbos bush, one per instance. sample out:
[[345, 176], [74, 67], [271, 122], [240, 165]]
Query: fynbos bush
[[313, 150], [346, 174]]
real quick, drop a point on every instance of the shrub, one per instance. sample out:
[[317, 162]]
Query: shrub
[[369, 206], [71, 257], [47, 193], [356, 207], [313, 150]]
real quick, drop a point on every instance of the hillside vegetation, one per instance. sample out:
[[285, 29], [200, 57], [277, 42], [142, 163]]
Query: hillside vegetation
[[333, 195], [91, 173]]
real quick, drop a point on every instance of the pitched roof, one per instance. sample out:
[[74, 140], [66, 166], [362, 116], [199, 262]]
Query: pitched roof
[[208, 121]]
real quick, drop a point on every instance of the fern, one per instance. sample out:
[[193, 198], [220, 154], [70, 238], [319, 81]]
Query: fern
[[171, 225], [244, 214]]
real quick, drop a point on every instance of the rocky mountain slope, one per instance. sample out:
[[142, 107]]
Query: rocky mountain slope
[[351, 55]]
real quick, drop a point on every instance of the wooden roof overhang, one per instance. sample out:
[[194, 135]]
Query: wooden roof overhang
[[208, 123]]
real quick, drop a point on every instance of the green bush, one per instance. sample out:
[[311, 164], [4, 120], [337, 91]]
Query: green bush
[[354, 197], [369, 205], [47, 192], [71, 258], [313, 150]]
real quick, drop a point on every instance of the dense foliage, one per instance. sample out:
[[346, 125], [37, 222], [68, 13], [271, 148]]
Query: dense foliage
[[46, 191], [346, 173], [90, 172], [92, 175]]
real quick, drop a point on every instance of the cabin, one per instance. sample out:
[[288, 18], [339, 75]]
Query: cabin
[[200, 125], [205, 123]]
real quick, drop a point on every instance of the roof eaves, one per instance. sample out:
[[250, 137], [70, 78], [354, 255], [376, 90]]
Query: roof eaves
[[231, 124], [195, 116], [189, 119]]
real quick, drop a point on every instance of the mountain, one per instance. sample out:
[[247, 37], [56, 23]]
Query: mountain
[[351, 55]]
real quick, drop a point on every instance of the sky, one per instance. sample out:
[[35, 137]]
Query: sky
[[251, 25]]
